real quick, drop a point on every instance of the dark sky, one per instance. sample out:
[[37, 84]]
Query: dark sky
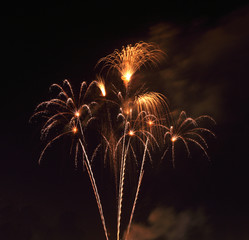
[[205, 72]]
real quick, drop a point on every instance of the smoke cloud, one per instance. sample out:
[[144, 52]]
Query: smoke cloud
[[205, 63], [167, 224]]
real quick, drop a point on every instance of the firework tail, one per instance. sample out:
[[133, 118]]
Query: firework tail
[[121, 181], [138, 188], [54, 139], [95, 189]]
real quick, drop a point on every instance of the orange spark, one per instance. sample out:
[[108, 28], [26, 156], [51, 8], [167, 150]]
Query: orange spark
[[173, 139], [101, 85], [152, 103], [150, 122], [131, 133], [74, 130], [77, 114], [126, 77], [131, 58]]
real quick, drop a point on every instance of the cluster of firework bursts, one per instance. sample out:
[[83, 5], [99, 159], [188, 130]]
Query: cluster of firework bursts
[[131, 122]]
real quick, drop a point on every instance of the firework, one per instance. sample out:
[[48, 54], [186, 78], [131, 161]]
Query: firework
[[72, 115], [186, 130], [65, 113], [131, 58], [131, 120], [100, 83], [136, 132], [138, 188], [137, 108], [95, 189]]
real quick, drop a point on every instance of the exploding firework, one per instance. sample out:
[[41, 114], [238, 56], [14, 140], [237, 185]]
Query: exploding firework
[[133, 131], [71, 115], [138, 111], [186, 129], [65, 113], [131, 121], [100, 82], [131, 58]]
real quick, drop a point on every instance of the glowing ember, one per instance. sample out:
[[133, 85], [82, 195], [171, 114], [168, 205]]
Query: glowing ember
[[173, 139], [77, 114], [101, 85], [150, 122], [131, 133], [126, 77], [74, 129]]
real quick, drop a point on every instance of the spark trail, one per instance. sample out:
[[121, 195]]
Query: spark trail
[[66, 112], [95, 189], [141, 174], [186, 129], [130, 121], [131, 58]]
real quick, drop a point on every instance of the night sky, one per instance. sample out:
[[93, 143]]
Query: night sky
[[205, 71]]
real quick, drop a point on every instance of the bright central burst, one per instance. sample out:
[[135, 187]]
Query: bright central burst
[[174, 138], [131, 133], [77, 114], [126, 78], [131, 58], [129, 123]]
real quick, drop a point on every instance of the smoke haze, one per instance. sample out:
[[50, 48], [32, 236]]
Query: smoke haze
[[196, 63], [165, 223]]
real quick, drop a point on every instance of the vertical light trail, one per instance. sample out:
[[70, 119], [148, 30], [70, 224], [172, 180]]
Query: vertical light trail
[[95, 189], [138, 188], [121, 181]]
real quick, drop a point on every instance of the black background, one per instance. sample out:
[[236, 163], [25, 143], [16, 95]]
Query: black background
[[46, 43]]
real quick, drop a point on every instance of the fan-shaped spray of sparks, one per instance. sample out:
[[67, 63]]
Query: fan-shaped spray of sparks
[[68, 112], [127, 61], [131, 58], [186, 130], [64, 112], [133, 130], [101, 85]]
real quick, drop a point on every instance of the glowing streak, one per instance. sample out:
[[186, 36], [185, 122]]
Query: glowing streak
[[131, 58], [121, 189], [57, 137], [95, 189], [152, 103], [121, 181], [102, 88], [187, 130], [138, 188], [101, 85]]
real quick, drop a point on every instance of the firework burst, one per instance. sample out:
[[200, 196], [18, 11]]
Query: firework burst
[[131, 58], [132, 122], [138, 111], [135, 131], [186, 130], [71, 115]]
